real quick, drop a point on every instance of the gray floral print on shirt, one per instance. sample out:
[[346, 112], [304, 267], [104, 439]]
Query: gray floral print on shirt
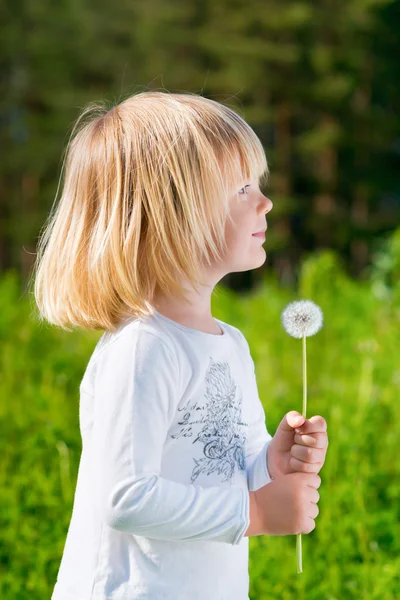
[[222, 435]]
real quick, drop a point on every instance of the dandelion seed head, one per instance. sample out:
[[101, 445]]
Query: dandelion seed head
[[302, 317]]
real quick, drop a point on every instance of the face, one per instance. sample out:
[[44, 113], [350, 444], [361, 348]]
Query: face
[[248, 209]]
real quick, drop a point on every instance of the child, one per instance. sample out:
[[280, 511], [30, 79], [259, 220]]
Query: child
[[161, 199]]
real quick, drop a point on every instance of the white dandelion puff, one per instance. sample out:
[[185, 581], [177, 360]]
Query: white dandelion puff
[[303, 317]]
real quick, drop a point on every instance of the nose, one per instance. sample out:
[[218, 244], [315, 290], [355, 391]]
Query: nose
[[266, 204]]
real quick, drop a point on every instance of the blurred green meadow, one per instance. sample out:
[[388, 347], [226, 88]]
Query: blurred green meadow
[[353, 377]]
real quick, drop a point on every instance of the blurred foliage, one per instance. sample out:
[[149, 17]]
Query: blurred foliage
[[353, 380], [385, 270]]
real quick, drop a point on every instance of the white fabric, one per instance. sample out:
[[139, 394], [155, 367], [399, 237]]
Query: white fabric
[[173, 438]]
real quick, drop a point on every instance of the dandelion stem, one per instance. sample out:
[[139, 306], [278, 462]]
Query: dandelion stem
[[304, 377], [298, 537]]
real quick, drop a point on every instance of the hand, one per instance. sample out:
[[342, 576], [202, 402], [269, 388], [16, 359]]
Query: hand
[[304, 452], [285, 506]]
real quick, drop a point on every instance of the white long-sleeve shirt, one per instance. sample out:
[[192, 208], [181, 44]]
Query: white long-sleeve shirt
[[173, 438]]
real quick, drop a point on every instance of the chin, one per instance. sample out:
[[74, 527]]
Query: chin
[[262, 259], [249, 266]]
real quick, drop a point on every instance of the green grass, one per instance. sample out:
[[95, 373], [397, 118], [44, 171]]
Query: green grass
[[353, 378]]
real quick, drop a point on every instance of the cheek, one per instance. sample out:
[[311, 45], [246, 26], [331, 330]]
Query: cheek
[[242, 224], [238, 232], [234, 235]]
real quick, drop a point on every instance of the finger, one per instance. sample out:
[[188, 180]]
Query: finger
[[316, 424], [314, 510], [314, 481], [317, 440], [304, 467], [315, 496], [307, 454]]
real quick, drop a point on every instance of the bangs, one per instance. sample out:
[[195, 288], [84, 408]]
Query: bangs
[[242, 156]]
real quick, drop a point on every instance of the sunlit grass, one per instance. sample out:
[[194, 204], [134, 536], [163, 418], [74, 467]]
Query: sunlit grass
[[353, 376]]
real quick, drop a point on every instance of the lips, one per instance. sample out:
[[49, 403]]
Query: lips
[[261, 232]]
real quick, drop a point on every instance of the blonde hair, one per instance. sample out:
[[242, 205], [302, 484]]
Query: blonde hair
[[144, 205]]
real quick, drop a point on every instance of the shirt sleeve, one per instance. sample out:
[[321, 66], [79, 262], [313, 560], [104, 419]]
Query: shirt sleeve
[[258, 436], [257, 468], [136, 392]]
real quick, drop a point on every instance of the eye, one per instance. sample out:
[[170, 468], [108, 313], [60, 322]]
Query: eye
[[243, 188]]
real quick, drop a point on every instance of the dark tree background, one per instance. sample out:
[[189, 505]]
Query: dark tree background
[[318, 82]]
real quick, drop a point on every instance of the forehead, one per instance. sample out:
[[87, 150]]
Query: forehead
[[242, 164], [248, 165], [237, 171]]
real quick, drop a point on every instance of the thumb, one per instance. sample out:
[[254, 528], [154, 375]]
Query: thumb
[[291, 420]]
